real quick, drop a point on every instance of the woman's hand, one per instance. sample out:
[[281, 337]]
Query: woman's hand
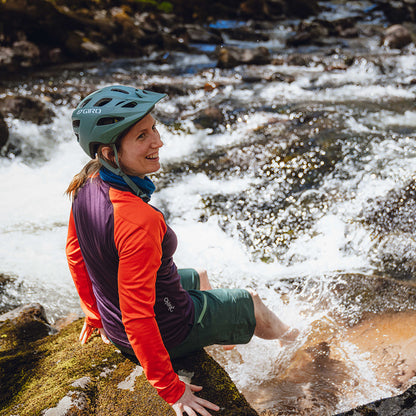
[[191, 404], [87, 330]]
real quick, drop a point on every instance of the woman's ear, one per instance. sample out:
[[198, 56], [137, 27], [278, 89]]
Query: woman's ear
[[107, 153]]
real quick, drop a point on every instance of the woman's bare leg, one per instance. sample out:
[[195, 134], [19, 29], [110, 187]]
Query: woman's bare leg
[[268, 325], [204, 283]]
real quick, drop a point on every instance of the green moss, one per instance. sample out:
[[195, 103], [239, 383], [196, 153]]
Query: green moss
[[45, 370], [36, 376]]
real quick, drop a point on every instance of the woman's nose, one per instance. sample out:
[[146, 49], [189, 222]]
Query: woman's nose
[[157, 141]]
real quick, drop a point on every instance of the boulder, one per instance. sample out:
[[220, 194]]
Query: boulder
[[401, 405], [194, 33], [397, 37], [308, 33], [209, 118], [57, 375], [26, 108], [26, 53], [23, 325], [398, 11], [230, 57]]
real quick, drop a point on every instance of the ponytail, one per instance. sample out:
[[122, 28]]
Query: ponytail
[[78, 181]]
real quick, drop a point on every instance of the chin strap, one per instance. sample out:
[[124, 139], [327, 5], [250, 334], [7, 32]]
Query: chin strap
[[118, 171]]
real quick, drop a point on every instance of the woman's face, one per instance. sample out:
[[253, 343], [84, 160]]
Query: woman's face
[[139, 150]]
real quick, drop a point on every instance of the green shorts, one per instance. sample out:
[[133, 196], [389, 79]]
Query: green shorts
[[222, 316]]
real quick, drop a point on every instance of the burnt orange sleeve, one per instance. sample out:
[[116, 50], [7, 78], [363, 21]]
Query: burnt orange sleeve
[[80, 276], [140, 252]]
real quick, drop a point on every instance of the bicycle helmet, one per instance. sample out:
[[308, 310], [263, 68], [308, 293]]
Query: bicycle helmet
[[102, 116]]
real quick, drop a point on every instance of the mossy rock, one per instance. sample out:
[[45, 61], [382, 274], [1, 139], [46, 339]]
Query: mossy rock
[[56, 372]]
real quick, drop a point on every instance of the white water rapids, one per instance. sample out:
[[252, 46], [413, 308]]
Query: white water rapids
[[34, 213]]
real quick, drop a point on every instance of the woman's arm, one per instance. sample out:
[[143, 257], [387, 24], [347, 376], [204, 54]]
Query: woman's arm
[[80, 277]]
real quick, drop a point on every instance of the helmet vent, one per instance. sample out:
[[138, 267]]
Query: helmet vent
[[109, 120], [76, 123], [85, 102], [130, 104], [119, 90], [102, 102]]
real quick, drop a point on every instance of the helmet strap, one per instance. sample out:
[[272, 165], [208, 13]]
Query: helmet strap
[[118, 171]]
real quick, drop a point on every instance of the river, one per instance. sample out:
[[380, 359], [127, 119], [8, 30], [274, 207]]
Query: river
[[278, 197]]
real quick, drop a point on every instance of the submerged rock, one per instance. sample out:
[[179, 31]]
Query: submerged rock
[[401, 405], [230, 57], [392, 220], [397, 37], [27, 109], [55, 374]]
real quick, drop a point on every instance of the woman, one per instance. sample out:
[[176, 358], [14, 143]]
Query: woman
[[120, 254]]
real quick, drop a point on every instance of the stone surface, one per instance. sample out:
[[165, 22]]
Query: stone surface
[[26, 108], [402, 405], [397, 37], [54, 374]]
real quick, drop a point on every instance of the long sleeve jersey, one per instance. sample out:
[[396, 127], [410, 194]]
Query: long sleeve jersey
[[119, 251]]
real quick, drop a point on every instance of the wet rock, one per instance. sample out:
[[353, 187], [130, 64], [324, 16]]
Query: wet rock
[[23, 325], [246, 33], [4, 132], [256, 9], [56, 374], [26, 53], [398, 11], [26, 108], [397, 37], [194, 33], [308, 33], [301, 8], [391, 218], [401, 405], [230, 57], [209, 118]]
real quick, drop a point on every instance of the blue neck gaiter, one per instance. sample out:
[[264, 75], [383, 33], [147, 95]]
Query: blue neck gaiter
[[146, 185]]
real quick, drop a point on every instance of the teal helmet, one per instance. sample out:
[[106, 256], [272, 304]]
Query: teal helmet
[[102, 116]]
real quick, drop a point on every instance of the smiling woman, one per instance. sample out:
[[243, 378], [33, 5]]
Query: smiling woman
[[120, 254]]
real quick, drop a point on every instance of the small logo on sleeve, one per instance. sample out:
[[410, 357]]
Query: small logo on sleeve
[[168, 304]]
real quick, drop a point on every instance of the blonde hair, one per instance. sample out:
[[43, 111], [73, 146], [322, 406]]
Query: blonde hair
[[89, 171]]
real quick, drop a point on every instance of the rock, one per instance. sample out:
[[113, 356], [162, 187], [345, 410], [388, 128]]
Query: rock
[[255, 9], [397, 37], [308, 33], [301, 8], [391, 220], [26, 53], [398, 11], [23, 325], [4, 132], [194, 33], [246, 33], [26, 108], [401, 405], [209, 118], [56, 375], [230, 57]]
